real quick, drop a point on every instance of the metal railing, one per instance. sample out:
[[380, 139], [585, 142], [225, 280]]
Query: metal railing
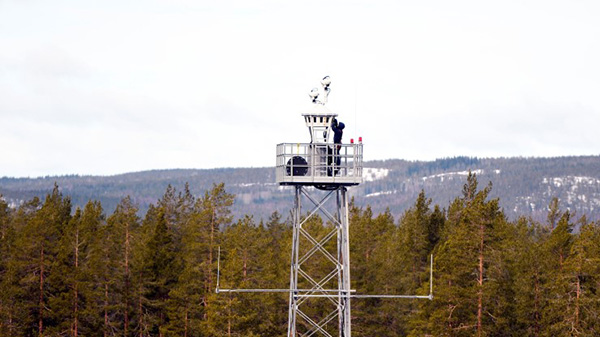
[[313, 164]]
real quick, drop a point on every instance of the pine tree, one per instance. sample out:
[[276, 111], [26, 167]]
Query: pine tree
[[415, 233], [141, 320], [124, 225], [181, 304], [554, 213], [530, 277], [44, 232], [241, 265], [214, 214], [275, 262], [157, 312], [252, 257], [68, 280], [557, 288], [582, 310], [7, 237], [160, 273], [104, 267], [437, 220], [187, 309], [80, 272], [37, 241], [584, 268], [18, 272], [370, 252], [544, 284], [469, 296], [418, 232]]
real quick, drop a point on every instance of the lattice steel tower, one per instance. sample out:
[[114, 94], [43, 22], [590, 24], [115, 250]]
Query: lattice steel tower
[[320, 173], [319, 300]]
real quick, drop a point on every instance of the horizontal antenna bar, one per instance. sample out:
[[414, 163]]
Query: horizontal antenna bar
[[279, 291], [429, 297], [335, 293]]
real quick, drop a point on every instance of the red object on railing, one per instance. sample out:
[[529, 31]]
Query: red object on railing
[[351, 140], [360, 139]]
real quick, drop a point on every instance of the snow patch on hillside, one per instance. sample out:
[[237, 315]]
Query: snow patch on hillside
[[575, 188], [376, 194], [13, 203], [372, 174], [254, 184], [525, 201], [451, 175], [570, 180], [249, 184]]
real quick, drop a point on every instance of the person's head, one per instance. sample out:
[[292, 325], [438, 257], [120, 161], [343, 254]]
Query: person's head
[[341, 126]]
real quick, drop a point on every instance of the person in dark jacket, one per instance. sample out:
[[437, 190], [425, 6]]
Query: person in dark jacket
[[338, 132]]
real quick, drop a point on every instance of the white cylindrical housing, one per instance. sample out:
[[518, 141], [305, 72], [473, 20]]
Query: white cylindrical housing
[[318, 122]]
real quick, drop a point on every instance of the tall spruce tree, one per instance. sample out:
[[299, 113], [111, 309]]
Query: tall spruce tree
[[275, 262], [529, 277], [214, 214], [242, 267], [468, 296], [418, 232], [186, 308], [158, 262], [557, 249], [78, 275], [17, 300], [160, 273], [68, 280], [370, 250], [7, 237], [140, 323], [581, 311], [123, 226], [39, 245]]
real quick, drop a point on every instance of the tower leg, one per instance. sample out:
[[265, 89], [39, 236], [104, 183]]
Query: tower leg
[[294, 264], [344, 259]]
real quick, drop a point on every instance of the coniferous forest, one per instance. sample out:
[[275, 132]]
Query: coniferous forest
[[95, 272]]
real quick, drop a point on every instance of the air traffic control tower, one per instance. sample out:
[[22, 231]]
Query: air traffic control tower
[[320, 173]]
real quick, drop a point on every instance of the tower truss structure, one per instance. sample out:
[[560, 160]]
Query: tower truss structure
[[321, 172], [324, 285]]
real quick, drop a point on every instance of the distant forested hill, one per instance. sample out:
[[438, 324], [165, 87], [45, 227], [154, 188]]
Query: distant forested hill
[[525, 186]]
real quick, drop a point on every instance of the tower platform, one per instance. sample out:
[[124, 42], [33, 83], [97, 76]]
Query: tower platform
[[316, 164]]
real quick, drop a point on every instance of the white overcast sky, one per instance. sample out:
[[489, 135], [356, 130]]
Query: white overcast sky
[[107, 87]]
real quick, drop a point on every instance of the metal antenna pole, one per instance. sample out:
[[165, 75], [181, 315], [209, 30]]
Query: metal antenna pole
[[218, 269], [431, 278]]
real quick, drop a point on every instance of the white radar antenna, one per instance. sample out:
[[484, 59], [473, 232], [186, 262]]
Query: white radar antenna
[[314, 93]]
